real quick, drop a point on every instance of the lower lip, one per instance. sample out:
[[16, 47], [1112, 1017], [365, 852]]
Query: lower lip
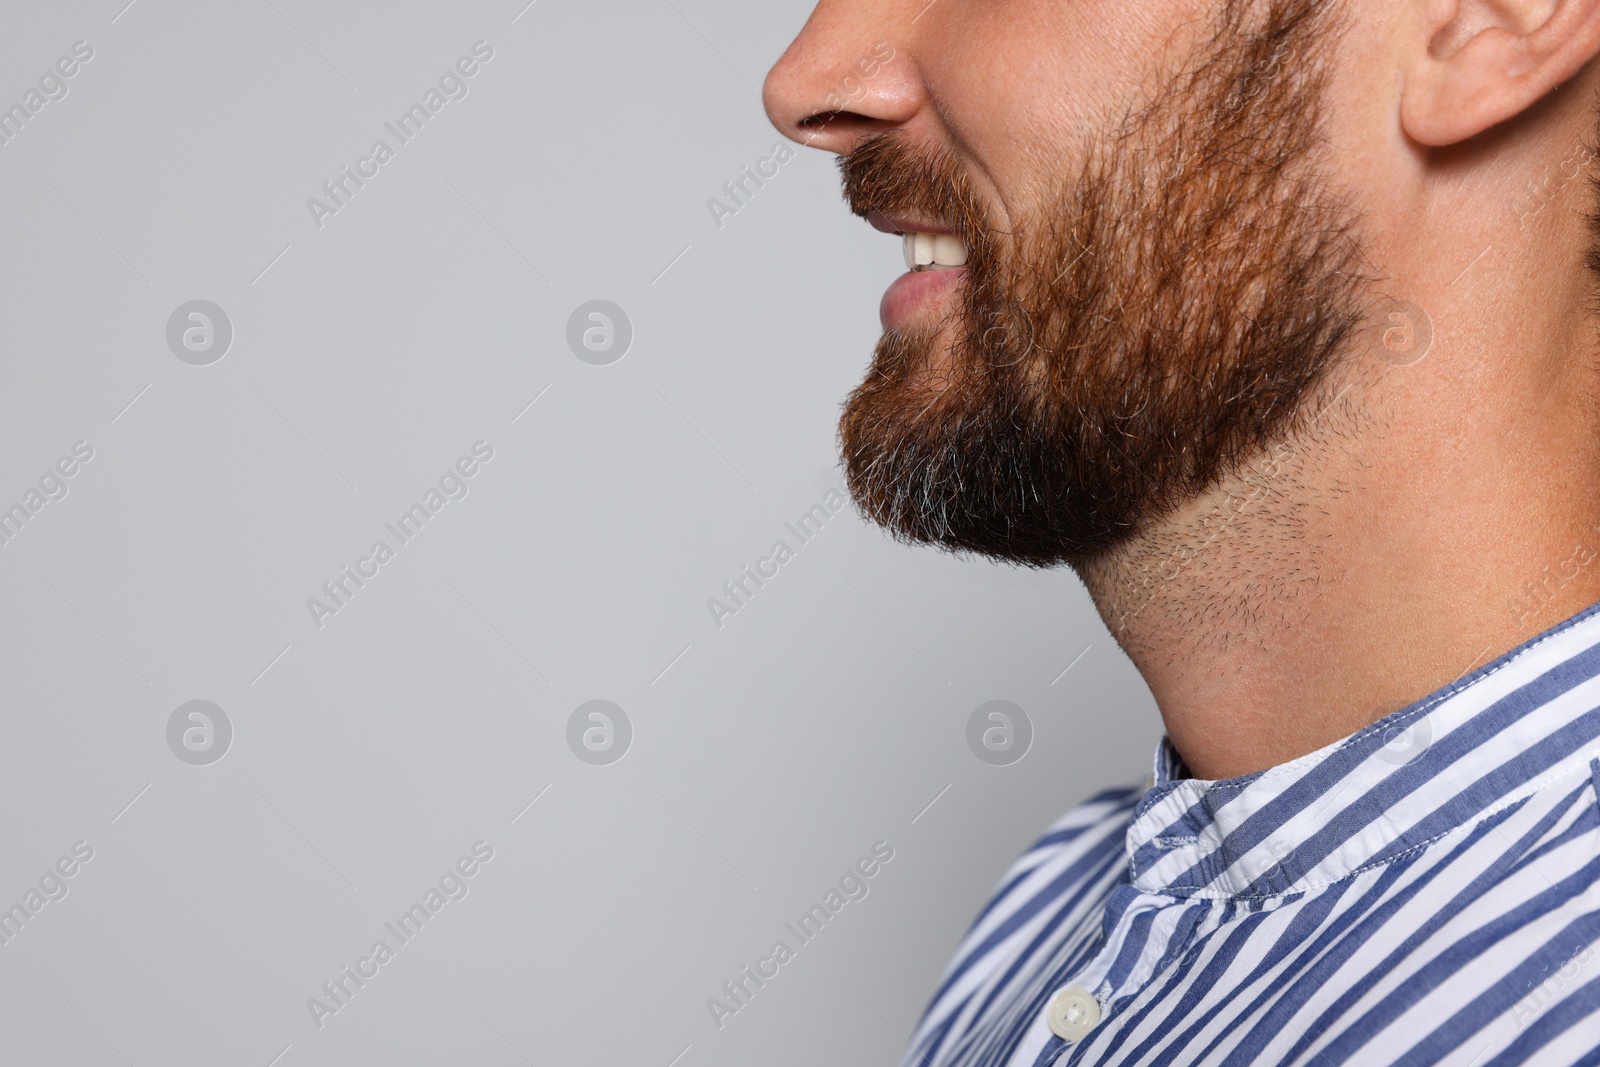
[[915, 294]]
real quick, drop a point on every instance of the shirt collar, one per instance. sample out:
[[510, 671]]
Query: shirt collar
[[1525, 721]]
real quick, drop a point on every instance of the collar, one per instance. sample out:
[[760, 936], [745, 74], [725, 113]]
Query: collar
[[1485, 742]]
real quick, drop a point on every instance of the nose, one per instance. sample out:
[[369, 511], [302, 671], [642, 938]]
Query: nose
[[849, 75]]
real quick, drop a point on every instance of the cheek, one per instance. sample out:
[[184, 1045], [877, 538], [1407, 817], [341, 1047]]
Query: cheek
[[1029, 86]]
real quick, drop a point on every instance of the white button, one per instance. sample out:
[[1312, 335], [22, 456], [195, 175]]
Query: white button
[[1072, 1013], [1149, 782]]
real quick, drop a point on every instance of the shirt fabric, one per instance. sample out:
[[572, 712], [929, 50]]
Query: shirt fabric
[[1425, 891]]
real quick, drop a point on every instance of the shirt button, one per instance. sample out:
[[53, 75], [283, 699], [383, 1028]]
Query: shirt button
[[1072, 1013]]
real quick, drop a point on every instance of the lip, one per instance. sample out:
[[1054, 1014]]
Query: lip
[[915, 293], [898, 224]]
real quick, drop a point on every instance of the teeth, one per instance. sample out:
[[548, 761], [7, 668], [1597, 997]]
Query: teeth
[[930, 251], [949, 250]]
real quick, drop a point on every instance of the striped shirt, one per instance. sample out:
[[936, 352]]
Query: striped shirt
[[1425, 891]]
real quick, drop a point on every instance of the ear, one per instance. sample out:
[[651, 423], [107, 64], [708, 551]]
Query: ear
[[1478, 63]]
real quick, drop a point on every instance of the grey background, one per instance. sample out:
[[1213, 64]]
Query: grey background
[[369, 754]]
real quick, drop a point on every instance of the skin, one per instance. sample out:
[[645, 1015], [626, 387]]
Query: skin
[[1445, 511]]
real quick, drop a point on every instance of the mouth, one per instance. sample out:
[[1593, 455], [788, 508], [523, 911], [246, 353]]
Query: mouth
[[934, 251], [936, 259]]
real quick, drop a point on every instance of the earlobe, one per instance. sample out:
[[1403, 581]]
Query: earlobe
[[1478, 63]]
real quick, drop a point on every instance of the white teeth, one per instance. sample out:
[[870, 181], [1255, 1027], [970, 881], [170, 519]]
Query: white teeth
[[949, 250], [930, 251]]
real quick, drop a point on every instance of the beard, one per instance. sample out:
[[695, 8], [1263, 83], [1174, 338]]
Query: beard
[[1164, 319]]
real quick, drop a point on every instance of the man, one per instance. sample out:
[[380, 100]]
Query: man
[[1274, 320]]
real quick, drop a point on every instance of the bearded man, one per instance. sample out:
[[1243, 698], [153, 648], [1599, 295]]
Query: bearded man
[[1274, 321]]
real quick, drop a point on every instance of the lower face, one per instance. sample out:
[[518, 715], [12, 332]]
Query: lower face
[[1054, 377]]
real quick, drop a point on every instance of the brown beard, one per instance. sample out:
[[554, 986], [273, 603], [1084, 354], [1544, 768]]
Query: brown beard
[[1163, 322]]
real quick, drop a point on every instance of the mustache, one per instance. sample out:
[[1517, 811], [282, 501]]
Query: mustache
[[887, 174]]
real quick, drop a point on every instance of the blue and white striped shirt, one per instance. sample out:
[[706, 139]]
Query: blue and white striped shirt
[[1425, 891]]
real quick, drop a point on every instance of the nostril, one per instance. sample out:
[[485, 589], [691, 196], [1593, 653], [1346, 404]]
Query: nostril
[[834, 119], [837, 124], [822, 118]]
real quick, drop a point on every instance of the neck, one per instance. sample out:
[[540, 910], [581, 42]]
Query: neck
[[1421, 520]]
